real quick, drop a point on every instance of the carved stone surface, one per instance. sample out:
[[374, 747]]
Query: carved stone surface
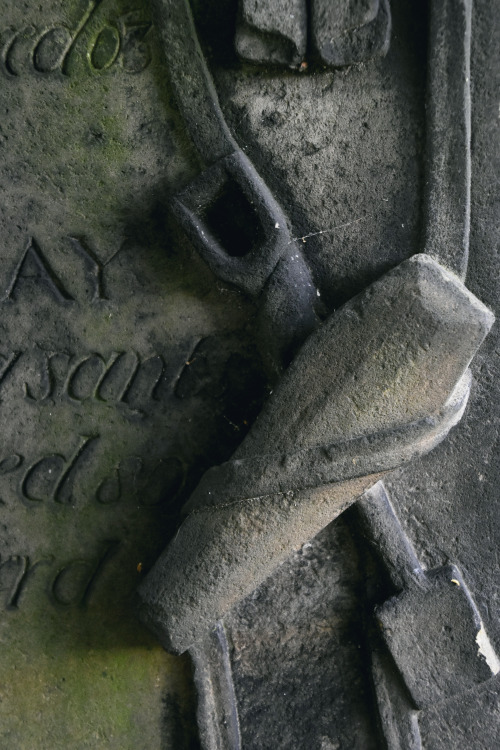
[[101, 313], [356, 32], [137, 351], [272, 32], [379, 370]]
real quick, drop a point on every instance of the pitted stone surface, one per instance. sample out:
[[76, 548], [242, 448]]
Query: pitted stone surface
[[391, 357], [91, 150]]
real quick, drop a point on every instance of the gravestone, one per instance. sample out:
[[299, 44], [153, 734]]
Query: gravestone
[[128, 368]]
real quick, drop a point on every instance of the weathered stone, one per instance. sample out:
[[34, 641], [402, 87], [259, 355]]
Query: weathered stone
[[434, 633], [387, 359], [276, 709], [360, 32], [272, 31], [218, 719], [446, 214], [102, 304], [433, 629], [92, 152]]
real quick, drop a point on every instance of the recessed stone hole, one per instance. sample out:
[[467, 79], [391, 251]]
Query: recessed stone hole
[[234, 222]]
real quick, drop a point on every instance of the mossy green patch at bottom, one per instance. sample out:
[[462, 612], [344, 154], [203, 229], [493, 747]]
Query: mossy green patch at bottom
[[75, 681]]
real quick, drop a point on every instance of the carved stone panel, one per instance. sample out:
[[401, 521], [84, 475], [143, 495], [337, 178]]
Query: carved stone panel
[[191, 191], [117, 362]]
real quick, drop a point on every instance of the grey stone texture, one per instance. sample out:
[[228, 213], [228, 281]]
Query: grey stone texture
[[389, 358], [99, 276], [429, 498], [272, 31], [446, 208], [432, 628], [101, 308], [432, 633], [359, 32]]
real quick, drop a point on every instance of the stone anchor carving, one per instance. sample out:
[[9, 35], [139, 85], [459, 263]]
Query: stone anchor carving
[[380, 382]]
